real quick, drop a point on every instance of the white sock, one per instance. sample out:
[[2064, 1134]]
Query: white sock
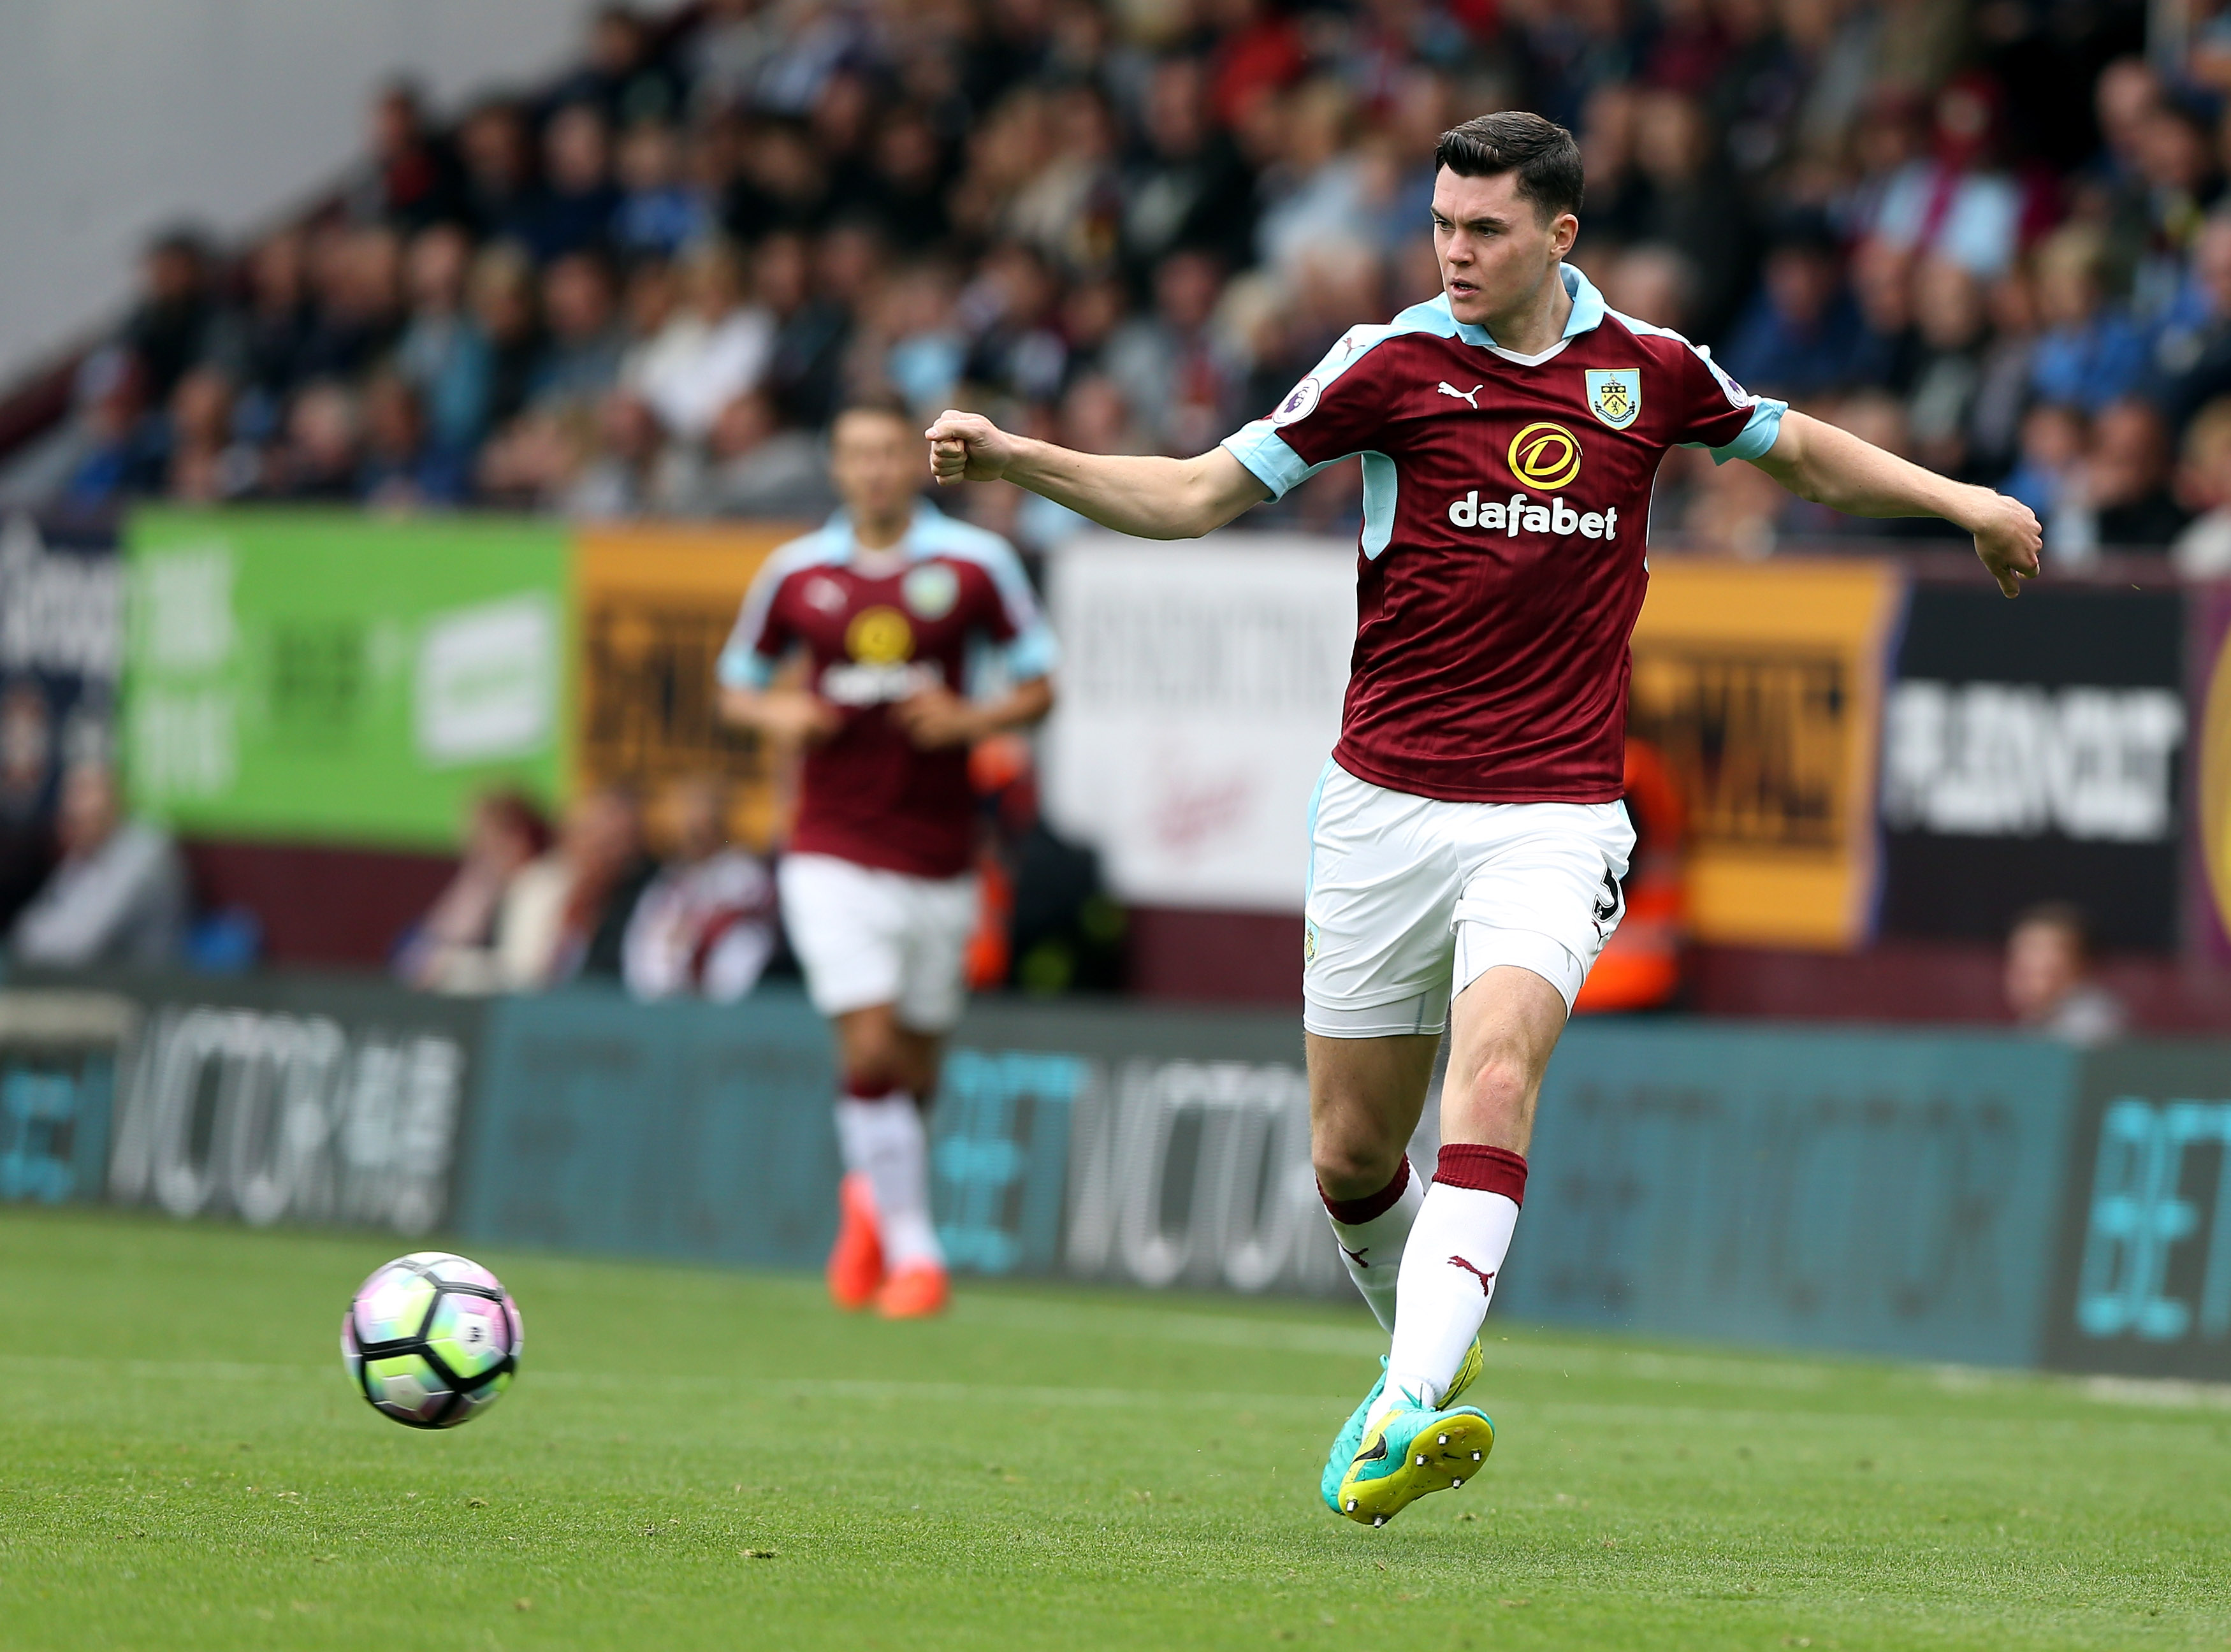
[[1455, 1250], [1372, 1248], [883, 1138]]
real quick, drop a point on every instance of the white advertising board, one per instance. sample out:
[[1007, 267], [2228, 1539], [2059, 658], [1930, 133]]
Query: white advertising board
[[1200, 694]]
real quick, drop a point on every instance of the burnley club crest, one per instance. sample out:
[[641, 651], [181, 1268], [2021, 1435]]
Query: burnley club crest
[[1615, 395]]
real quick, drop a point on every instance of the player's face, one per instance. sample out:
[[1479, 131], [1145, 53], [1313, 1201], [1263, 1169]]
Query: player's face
[[1496, 248], [875, 460]]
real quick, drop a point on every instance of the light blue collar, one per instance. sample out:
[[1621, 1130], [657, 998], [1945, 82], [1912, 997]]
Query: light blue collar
[[917, 542], [1587, 310]]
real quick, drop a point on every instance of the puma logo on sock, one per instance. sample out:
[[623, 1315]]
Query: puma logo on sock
[[1485, 1280], [1356, 1256]]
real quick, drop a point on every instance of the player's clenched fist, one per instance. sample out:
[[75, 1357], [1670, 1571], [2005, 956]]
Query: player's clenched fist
[[2008, 539], [967, 447]]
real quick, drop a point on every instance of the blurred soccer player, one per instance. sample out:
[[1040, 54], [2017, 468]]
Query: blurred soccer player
[[1467, 837], [889, 603]]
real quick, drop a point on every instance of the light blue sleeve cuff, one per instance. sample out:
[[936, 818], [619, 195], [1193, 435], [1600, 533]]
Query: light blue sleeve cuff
[[742, 668], [1264, 452], [1032, 655], [1757, 436]]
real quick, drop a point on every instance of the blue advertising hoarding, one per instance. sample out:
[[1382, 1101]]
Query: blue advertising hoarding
[[1887, 1192]]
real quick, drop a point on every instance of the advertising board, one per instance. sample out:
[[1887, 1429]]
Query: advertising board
[[656, 603], [2143, 1285], [336, 676], [297, 1098], [1891, 1192], [1200, 692], [2033, 751], [1761, 687]]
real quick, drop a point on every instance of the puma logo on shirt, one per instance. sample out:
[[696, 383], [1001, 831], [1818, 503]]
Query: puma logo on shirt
[[1469, 397]]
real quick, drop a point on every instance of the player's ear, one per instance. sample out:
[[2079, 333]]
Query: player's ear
[[1564, 230]]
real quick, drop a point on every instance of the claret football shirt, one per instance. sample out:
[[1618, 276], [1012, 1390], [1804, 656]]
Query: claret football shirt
[[1505, 504], [877, 627]]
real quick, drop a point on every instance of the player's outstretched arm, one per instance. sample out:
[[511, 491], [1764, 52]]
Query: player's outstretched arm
[[1153, 497], [1830, 467]]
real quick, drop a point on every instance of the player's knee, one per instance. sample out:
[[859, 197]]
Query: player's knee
[[873, 1068], [1499, 1090], [1353, 1166]]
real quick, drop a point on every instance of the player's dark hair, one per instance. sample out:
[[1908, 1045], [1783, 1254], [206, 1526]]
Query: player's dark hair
[[883, 404], [1542, 152], [2063, 915]]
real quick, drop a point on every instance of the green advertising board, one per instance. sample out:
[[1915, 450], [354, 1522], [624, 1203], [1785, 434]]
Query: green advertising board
[[336, 676]]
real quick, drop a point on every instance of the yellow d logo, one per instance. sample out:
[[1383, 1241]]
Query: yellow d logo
[[879, 636], [1545, 456]]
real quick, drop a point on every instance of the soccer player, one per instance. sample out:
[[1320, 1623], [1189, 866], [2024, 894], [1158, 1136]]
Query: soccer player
[[1467, 838], [891, 604]]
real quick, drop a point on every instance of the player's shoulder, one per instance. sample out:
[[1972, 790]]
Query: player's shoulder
[[1660, 344], [825, 546], [1379, 344], [935, 533]]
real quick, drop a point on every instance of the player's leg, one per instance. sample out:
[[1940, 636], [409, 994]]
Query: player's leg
[[846, 929], [1365, 1095], [1534, 913], [1375, 990], [880, 1121], [941, 915], [1540, 899]]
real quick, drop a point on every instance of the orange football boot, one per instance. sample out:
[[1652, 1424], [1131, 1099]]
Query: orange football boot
[[856, 1261], [915, 1292]]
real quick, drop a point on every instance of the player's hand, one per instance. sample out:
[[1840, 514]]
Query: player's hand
[[967, 447], [934, 719], [791, 715], [2008, 539]]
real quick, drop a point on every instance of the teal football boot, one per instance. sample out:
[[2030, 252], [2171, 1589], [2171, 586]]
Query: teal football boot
[[1349, 1440]]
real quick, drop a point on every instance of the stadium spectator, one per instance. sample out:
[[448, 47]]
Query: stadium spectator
[[117, 894], [705, 924], [411, 179], [2127, 475], [1803, 329], [580, 358], [562, 916], [206, 464], [174, 325], [499, 166], [2049, 983], [754, 466], [658, 212], [2089, 353], [1005, 200], [452, 948], [578, 204], [317, 461], [443, 355], [506, 316], [401, 469], [2203, 550], [715, 348]]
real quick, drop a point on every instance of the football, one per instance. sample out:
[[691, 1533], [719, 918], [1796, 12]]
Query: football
[[431, 1340]]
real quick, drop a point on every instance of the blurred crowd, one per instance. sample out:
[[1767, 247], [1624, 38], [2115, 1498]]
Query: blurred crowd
[[1988, 235]]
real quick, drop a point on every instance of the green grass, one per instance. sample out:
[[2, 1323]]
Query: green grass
[[183, 1465]]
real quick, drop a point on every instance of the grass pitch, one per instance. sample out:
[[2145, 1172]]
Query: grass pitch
[[697, 1459]]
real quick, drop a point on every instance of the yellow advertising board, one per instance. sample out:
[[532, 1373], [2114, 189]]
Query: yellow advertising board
[[1762, 684], [657, 602]]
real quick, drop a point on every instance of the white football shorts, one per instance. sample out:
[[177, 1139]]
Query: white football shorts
[[867, 936], [1411, 899]]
